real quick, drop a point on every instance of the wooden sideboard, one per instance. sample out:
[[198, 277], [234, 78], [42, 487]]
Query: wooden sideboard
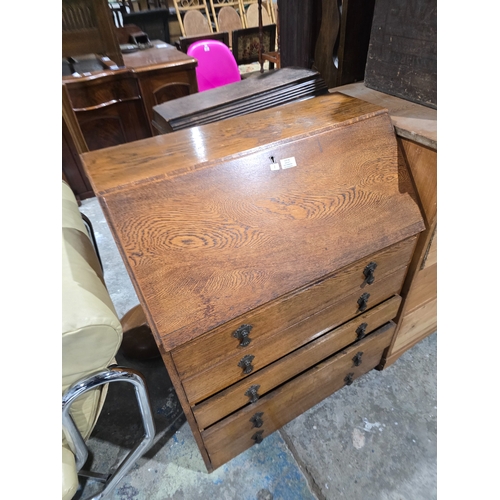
[[416, 129], [115, 105], [269, 260]]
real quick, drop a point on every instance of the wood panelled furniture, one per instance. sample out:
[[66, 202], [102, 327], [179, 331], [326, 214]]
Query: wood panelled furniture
[[88, 28], [269, 259], [416, 129], [115, 106]]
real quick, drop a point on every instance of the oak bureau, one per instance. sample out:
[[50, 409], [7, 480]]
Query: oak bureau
[[268, 252]]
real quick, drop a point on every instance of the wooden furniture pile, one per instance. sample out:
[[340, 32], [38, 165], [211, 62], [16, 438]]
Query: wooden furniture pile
[[269, 259], [247, 96]]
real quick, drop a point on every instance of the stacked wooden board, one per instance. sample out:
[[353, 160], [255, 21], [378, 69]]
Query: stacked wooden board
[[264, 91]]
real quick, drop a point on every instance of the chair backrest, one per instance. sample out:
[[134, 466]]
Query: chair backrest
[[252, 15], [216, 64], [246, 43], [195, 23], [229, 20], [190, 22]]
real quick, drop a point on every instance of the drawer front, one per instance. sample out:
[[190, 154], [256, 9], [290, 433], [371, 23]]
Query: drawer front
[[264, 351], [104, 92], [230, 339], [250, 425], [257, 385]]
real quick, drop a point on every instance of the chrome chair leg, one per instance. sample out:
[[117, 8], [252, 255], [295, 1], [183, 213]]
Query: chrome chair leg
[[75, 440]]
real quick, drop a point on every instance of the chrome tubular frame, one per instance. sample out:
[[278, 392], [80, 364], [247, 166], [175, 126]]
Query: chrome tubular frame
[[75, 440]]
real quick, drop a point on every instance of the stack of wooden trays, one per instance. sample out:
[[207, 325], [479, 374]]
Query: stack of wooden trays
[[264, 91]]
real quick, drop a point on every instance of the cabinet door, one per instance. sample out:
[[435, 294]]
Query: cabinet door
[[109, 109]]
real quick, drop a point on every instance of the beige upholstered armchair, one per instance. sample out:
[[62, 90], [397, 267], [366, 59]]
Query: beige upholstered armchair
[[91, 337]]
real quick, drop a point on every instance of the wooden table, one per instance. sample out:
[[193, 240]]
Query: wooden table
[[269, 260], [416, 129]]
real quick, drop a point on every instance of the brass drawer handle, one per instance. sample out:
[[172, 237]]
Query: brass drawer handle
[[242, 334], [361, 330], [246, 363], [357, 359], [349, 379], [363, 302], [257, 420], [257, 437], [252, 393], [368, 273]]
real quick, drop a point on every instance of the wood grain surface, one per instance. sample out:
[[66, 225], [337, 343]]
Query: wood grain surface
[[219, 344], [234, 397], [233, 435], [210, 245], [173, 154]]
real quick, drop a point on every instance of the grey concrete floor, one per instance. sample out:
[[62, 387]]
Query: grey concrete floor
[[373, 440]]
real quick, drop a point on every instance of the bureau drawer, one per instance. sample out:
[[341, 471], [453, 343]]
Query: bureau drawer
[[251, 424], [264, 351], [195, 356], [258, 384]]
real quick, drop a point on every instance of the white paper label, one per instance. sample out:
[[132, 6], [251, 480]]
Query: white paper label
[[275, 166], [288, 162]]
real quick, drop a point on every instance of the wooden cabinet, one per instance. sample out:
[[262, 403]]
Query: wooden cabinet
[[109, 108], [115, 106], [415, 126], [269, 260]]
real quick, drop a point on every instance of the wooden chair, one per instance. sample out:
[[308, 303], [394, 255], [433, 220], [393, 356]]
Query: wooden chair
[[252, 16], [193, 17], [88, 28], [228, 21], [249, 9], [246, 44], [226, 7]]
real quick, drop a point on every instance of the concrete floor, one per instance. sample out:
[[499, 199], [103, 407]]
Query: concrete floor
[[373, 440]]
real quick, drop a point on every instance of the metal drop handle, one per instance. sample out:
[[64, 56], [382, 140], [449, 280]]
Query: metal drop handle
[[246, 363], [257, 437], [252, 393], [361, 330], [257, 420], [357, 359], [368, 273], [363, 302], [242, 334]]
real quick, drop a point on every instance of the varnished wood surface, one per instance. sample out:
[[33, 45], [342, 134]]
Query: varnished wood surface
[[411, 121], [218, 345], [248, 95], [233, 435], [424, 288], [208, 246], [415, 326], [417, 317], [161, 55], [226, 402], [227, 372], [184, 150]]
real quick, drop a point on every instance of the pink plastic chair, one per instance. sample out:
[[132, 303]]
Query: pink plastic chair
[[216, 64]]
